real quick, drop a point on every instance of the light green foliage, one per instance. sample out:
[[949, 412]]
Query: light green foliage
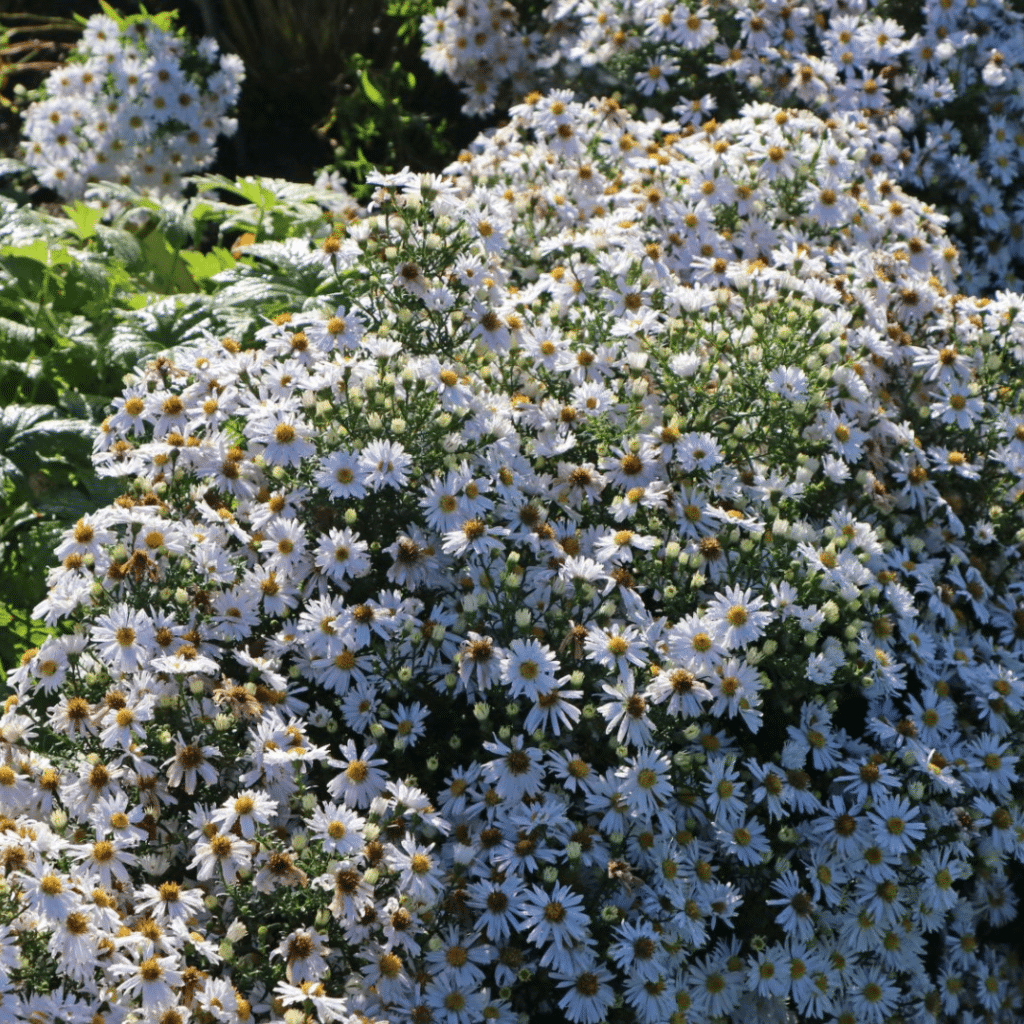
[[83, 299]]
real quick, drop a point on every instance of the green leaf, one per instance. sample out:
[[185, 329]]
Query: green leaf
[[122, 245], [250, 189], [17, 517], [169, 270], [111, 12], [258, 291], [205, 265], [371, 91], [30, 433], [39, 252], [11, 332], [84, 218]]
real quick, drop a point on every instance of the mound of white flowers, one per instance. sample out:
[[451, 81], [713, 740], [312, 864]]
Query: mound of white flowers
[[603, 602]]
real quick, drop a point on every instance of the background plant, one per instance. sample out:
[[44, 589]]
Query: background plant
[[135, 103], [355, 72]]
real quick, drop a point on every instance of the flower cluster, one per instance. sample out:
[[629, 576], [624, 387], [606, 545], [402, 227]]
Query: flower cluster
[[603, 600], [481, 46], [948, 77], [136, 104]]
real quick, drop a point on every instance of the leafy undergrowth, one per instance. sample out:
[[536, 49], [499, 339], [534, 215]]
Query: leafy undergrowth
[[83, 299]]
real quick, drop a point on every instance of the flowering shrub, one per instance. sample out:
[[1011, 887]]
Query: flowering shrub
[[136, 104], [601, 599], [941, 81]]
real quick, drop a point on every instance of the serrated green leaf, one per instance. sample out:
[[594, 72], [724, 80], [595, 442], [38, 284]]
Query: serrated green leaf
[[68, 503], [14, 333], [30, 432], [206, 182], [258, 290], [205, 265], [122, 245], [170, 272], [84, 219], [110, 12], [39, 252]]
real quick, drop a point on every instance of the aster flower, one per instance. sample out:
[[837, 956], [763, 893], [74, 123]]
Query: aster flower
[[359, 779], [153, 980], [626, 713], [303, 952], [224, 852], [190, 763], [126, 636], [386, 464], [528, 668], [894, 824], [343, 474], [553, 918], [282, 438], [249, 809], [554, 711], [588, 993], [738, 617], [517, 771]]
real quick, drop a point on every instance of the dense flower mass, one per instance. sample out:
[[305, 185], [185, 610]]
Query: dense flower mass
[[136, 104], [602, 600], [943, 82]]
